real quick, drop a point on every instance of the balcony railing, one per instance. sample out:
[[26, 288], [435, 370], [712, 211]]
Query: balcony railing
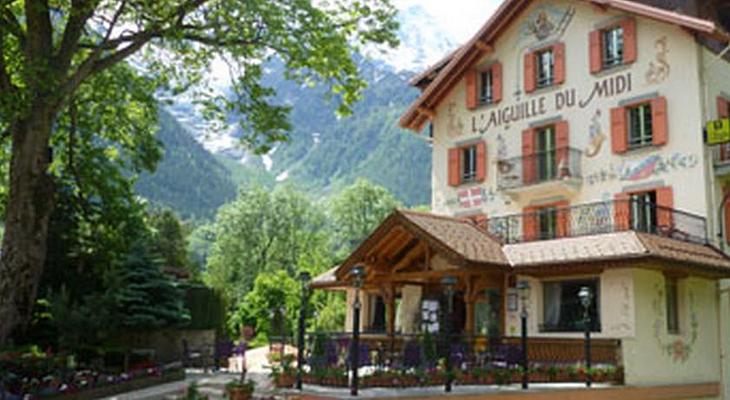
[[539, 167], [597, 218]]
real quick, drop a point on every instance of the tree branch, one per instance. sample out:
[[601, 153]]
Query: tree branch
[[81, 11], [39, 32]]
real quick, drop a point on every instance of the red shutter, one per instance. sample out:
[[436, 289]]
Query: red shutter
[[595, 50], [723, 108], [528, 158], [665, 206], [621, 212], [562, 143], [530, 78], [660, 129], [481, 162], [454, 164], [559, 53], [563, 214], [619, 135], [529, 223], [471, 89], [497, 82], [630, 48], [726, 231]]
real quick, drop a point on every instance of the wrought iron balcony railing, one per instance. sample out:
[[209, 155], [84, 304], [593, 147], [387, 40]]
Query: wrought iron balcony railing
[[539, 167], [597, 218]]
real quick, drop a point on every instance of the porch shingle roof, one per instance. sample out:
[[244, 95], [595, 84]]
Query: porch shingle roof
[[460, 235], [463, 240]]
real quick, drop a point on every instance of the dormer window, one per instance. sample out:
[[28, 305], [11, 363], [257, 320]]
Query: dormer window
[[545, 62], [613, 46]]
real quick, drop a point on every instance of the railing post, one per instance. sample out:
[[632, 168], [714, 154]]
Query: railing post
[[304, 277]]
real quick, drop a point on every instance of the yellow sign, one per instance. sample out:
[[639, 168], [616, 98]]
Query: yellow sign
[[718, 132]]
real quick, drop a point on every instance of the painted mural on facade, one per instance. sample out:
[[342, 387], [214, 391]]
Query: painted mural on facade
[[659, 68], [680, 348], [647, 167]]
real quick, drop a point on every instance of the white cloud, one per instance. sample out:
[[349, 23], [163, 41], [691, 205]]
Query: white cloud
[[459, 18]]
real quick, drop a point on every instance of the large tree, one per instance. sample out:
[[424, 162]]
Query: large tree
[[52, 50]]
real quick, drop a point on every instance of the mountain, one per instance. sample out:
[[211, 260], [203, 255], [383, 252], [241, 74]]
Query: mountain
[[422, 43], [188, 179], [324, 152]]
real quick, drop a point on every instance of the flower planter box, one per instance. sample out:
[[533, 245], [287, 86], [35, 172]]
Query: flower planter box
[[239, 394], [285, 381]]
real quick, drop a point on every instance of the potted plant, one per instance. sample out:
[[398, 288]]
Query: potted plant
[[239, 390]]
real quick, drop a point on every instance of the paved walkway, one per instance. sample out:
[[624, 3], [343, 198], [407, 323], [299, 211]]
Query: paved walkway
[[212, 384]]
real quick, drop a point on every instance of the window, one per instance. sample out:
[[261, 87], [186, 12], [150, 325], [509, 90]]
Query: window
[[643, 212], [672, 294], [546, 157], [640, 125], [468, 164], [545, 68], [613, 46], [547, 223], [563, 310], [486, 87]]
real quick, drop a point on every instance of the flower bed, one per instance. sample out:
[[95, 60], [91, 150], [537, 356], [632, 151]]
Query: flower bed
[[435, 377], [37, 376]]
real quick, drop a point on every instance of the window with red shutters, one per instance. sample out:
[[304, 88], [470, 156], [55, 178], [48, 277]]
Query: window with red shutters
[[612, 46], [467, 164], [544, 67], [640, 124]]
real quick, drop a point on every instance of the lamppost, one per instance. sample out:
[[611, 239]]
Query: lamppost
[[449, 282], [524, 290], [586, 298], [358, 276], [282, 333], [304, 278]]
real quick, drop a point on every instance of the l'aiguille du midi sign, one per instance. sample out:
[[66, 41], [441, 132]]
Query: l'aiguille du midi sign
[[559, 101]]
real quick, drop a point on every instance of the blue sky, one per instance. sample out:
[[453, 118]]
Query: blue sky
[[459, 18]]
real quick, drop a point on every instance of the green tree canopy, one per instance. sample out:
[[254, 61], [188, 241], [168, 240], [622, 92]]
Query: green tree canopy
[[357, 211], [62, 68], [265, 231]]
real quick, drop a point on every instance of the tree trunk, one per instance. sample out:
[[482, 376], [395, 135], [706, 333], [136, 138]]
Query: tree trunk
[[29, 207]]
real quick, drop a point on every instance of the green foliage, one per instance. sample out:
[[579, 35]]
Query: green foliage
[[356, 211], [144, 297], [265, 231], [168, 238], [331, 310], [206, 306], [271, 292]]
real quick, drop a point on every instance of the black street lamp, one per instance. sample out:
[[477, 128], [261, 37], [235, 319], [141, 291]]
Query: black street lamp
[[586, 298], [449, 283], [304, 278], [358, 276], [524, 290]]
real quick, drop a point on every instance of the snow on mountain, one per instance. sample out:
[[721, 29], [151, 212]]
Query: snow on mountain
[[423, 42]]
